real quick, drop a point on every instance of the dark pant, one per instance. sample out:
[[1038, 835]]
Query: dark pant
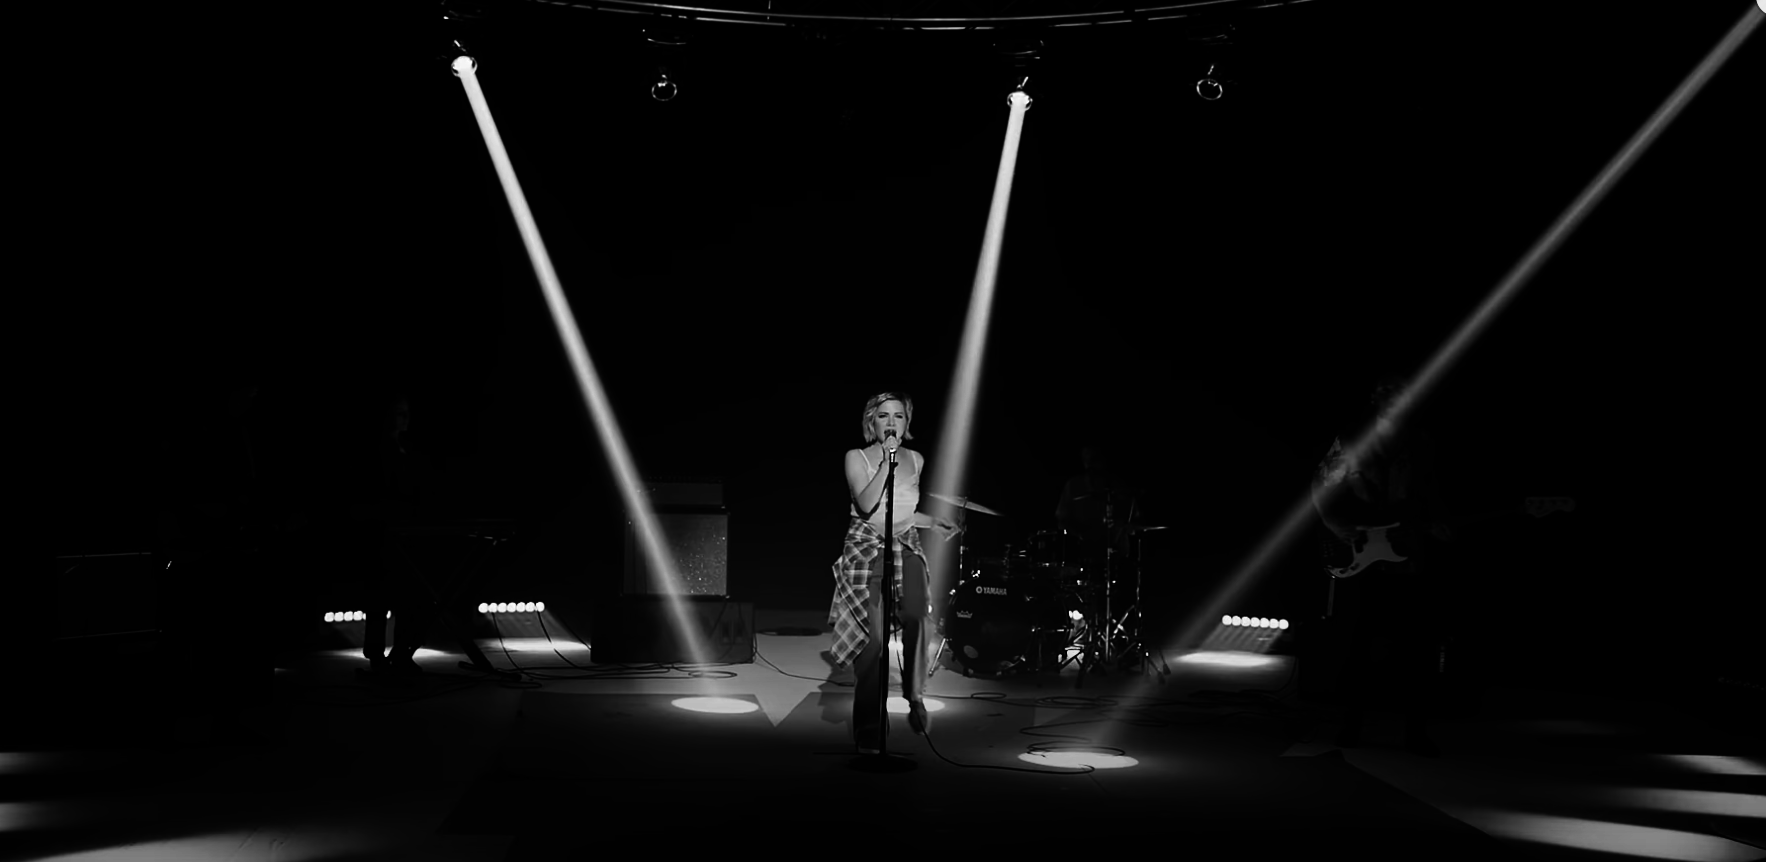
[[392, 583], [867, 722], [1395, 642]]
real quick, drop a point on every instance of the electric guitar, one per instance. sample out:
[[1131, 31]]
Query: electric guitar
[[1371, 545]]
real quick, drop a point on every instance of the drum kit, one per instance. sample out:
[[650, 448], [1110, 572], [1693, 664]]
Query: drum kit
[[1063, 598]]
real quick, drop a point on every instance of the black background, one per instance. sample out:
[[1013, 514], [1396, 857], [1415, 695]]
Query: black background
[[1210, 287]]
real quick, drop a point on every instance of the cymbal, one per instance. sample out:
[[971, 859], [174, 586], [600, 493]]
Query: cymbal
[[965, 503], [1146, 529]]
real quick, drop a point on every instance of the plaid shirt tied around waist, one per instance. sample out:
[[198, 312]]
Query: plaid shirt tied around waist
[[860, 565]]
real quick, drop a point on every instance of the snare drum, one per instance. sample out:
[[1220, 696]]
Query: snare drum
[[998, 624]]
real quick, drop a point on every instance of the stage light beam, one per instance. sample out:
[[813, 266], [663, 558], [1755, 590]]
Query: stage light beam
[[1719, 764], [950, 472], [1605, 836], [1301, 515], [655, 550]]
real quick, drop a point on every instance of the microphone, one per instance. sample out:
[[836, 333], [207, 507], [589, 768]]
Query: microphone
[[889, 444]]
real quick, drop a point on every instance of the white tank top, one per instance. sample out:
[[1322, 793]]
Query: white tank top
[[907, 493]]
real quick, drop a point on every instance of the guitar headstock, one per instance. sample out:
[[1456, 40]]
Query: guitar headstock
[[1539, 507]]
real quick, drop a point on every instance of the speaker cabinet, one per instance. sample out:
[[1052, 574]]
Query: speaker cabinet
[[646, 630], [695, 530]]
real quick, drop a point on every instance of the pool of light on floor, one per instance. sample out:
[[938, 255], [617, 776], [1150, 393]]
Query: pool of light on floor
[[716, 705], [530, 645], [1622, 839], [899, 705], [1078, 759], [422, 653], [1229, 658]]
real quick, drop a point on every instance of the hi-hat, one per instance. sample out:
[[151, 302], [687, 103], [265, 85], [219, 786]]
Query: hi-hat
[[965, 503]]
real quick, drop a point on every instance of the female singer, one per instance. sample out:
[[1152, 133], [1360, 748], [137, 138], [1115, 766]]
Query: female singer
[[857, 613]]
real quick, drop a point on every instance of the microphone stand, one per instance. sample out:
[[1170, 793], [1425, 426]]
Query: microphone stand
[[889, 564], [888, 603], [1109, 574]]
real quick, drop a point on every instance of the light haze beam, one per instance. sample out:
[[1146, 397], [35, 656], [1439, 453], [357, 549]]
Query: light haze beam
[[950, 473], [1444, 358], [662, 564]]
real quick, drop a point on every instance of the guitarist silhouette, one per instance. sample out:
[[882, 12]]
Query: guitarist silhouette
[[1382, 508]]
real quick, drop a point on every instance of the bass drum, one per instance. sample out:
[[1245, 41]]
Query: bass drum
[[997, 625]]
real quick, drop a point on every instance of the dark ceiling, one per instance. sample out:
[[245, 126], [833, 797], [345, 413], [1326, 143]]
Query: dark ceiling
[[1209, 281]]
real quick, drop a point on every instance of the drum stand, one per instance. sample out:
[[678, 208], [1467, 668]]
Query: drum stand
[[1116, 642], [942, 610], [1134, 652], [1094, 643]]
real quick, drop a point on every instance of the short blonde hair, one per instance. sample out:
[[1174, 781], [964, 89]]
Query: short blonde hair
[[878, 400]]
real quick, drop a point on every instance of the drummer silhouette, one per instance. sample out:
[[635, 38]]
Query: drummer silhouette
[[1098, 506]]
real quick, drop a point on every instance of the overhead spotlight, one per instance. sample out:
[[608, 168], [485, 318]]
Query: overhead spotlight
[[664, 89], [459, 59], [449, 47], [1211, 86], [665, 47]]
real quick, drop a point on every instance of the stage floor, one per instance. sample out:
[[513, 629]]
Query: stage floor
[[1220, 759]]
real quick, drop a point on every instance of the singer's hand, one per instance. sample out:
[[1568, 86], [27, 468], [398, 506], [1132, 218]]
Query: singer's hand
[[890, 443]]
